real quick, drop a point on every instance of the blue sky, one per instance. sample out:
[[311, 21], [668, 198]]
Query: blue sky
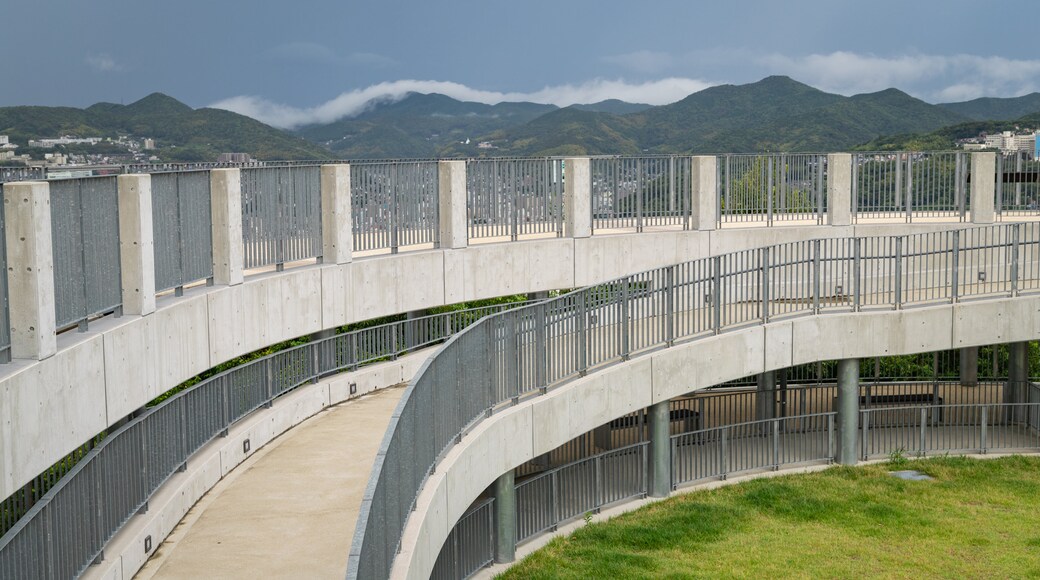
[[289, 63]]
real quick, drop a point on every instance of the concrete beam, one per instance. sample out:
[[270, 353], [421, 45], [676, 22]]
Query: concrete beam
[[225, 187], [136, 244], [839, 189], [983, 185], [454, 219], [705, 195], [30, 269], [577, 197], [337, 231]]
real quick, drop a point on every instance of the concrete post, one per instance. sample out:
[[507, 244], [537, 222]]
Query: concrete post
[[839, 189], [30, 269], [577, 197], [1018, 374], [543, 295], [983, 185], [601, 437], [705, 196], [136, 244], [225, 187], [660, 468], [969, 363], [505, 518], [848, 410], [453, 214], [765, 396], [336, 223]]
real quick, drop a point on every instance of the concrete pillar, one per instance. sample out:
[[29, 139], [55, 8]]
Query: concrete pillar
[[660, 453], [453, 213], [839, 189], [225, 187], [337, 228], [705, 194], [30, 269], [983, 186], [543, 295], [1018, 374], [601, 437], [848, 410], [577, 197], [765, 396], [505, 518], [969, 363], [136, 244]]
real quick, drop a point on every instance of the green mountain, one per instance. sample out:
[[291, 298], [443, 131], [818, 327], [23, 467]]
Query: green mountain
[[613, 106], [995, 109], [946, 138], [774, 114], [419, 125], [181, 133]]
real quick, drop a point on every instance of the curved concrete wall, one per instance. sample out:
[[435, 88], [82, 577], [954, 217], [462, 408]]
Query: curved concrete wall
[[543, 423], [50, 407]]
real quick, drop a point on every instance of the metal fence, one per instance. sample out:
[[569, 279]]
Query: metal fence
[[22, 174], [525, 351], [1018, 185], [635, 192], [908, 186], [281, 215], [771, 188], [394, 204], [509, 198], [470, 545], [5, 320], [62, 531], [85, 238], [182, 224]]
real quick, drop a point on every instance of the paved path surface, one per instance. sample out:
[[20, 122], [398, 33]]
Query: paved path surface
[[289, 511]]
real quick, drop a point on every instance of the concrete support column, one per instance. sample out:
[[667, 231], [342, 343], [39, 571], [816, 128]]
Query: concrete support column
[[765, 396], [136, 244], [1018, 373], [577, 197], [543, 295], [983, 186], [30, 269], [505, 518], [337, 228], [848, 410], [601, 437], [659, 458], [705, 194], [839, 189], [453, 213], [225, 186], [969, 363]]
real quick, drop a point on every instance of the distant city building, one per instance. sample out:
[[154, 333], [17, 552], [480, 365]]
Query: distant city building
[[234, 158], [48, 143], [5, 144], [1009, 142], [485, 145], [149, 144], [6, 154]]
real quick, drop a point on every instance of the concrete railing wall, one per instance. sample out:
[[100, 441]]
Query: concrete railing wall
[[63, 388]]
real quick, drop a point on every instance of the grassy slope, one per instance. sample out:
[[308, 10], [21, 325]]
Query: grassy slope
[[977, 519]]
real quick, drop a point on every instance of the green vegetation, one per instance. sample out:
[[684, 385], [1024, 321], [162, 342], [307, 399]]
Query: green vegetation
[[946, 137], [181, 133], [974, 520], [988, 108]]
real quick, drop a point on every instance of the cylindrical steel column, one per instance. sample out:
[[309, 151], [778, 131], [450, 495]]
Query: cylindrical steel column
[[765, 396], [505, 518], [969, 366], [1018, 374], [848, 410], [660, 468]]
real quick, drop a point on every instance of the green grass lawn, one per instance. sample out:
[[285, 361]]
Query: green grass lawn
[[976, 519]]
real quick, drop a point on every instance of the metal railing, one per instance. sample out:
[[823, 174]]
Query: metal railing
[[22, 174], [182, 224], [906, 185], [85, 238], [635, 192], [281, 214], [394, 204], [509, 198], [771, 188], [470, 545], [60, 532], [525, 351], [5, 320], [1018, 185]]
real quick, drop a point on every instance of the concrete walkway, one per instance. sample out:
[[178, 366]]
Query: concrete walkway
[[289, 511]]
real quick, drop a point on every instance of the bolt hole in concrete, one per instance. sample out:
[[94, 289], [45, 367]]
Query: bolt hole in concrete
[[911, 475]]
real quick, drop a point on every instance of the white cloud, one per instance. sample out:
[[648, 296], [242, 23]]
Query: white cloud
[[102, 63], [321, 54], [931, 77], [353, 102]]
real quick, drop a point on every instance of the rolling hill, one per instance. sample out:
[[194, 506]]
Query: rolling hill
[[994, 109]]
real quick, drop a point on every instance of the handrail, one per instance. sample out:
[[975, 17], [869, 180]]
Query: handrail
[[527, 351], [68, 527]]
